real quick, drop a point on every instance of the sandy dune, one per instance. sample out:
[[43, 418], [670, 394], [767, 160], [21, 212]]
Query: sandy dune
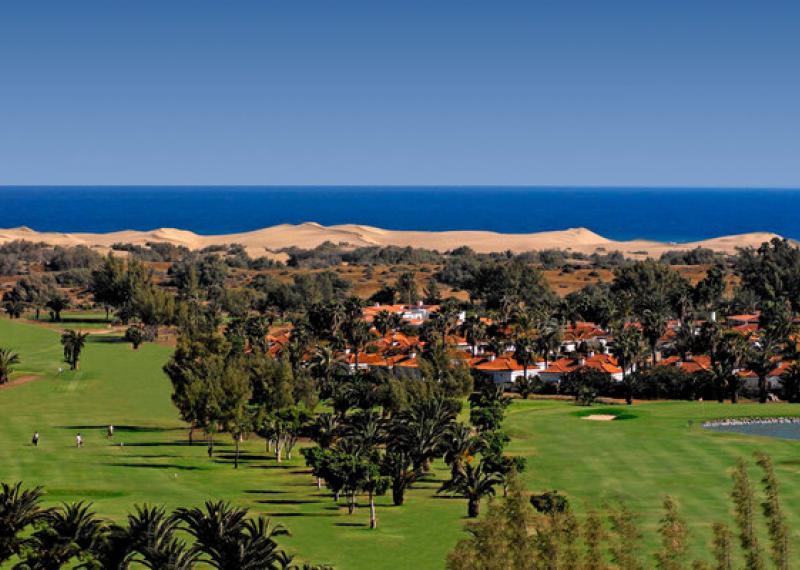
[[308, 235]]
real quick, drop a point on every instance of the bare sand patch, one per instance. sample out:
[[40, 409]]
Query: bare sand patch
[[600, 417], [19, 381]]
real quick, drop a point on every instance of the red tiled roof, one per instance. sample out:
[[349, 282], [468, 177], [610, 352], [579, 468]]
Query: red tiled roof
[[746, 318], [583, 331], [498, 364], [603, 362]]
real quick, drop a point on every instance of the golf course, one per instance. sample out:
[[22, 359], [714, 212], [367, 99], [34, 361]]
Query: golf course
[[651, 450]]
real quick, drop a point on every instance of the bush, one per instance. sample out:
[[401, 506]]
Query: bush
[[696, 256], [78, 257], [139, 334], [586, 384]]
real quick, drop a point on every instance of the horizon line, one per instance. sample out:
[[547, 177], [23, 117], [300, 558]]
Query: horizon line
[[410, 186]]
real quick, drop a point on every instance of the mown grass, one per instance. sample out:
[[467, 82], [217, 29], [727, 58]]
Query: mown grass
[[661, 450]]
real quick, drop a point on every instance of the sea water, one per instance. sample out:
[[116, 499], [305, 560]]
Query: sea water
[[677, 215]]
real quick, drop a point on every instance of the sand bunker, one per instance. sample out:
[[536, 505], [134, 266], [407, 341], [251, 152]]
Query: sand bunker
[[600, 417]]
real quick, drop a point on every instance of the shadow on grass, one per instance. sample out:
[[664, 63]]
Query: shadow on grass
[[89, 493], [153, 456], [156, 466], [350, 524], [288, 501], [243, 457], [271, 466], [106, 339], [124, 428], [263, 492], [301, 515], [162, 444], [426, 487], [77, 319]]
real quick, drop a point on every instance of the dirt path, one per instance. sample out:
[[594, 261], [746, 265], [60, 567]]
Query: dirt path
[[19, 381]]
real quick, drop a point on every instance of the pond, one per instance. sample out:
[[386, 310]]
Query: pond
[[784, 428]]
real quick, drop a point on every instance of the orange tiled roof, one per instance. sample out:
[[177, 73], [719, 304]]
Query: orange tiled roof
[[746, 318], [583, 330], [603, 362], [697, 363], [498, 364], [779, 369]]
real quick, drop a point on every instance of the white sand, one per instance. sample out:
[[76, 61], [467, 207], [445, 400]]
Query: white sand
[[310, 234], [600, 417]]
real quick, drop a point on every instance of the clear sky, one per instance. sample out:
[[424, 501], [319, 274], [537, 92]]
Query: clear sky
[[596, 92]]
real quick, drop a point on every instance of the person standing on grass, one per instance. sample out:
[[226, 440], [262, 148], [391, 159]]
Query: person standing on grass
[[35, 440], [79, 440], [110, 432]]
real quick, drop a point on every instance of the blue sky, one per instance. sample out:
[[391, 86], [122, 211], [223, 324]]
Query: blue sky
[[678, 93]]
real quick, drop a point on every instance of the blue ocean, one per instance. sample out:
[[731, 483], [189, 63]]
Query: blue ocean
[[618, 213]]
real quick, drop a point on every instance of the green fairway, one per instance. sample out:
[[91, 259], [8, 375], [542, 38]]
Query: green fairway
[[655, 449], [661, 450]]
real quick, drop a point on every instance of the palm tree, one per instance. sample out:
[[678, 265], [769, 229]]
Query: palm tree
[[69, 532], [685, 339], [7, 361], [790, 384], [324, 430], [398, 466], [527, 386], [761, 360], [421, 430], [628, 350], [445, 320], [474, 331], [357, 335], [462, 444], [549, 338], [149, 538], [497, 345], [228, 539], [365, 430], [474, 483], [57, 303], [524, 346], [654, 324], [73, 342], [324, 367], [778, 327], [19, 509], [729, 352], [13, 305], [385, 322]]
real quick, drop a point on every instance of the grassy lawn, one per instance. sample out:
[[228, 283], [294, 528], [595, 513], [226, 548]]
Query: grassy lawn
[[660, 450]]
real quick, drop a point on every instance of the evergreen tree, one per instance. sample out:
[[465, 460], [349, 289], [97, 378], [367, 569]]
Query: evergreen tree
[[776, 520], [625, 539], [744, 508], [673, 533], [722, 547]]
